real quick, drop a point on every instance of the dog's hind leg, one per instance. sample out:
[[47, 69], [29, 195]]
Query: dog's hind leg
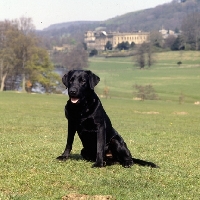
[[120, 152]]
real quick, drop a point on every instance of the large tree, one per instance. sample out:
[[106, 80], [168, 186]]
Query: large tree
[[22, 58], [140, 56], [40, 70], [7, 56], [24, 45]]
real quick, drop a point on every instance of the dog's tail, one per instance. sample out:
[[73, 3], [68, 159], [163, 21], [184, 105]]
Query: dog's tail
[[144, 163]]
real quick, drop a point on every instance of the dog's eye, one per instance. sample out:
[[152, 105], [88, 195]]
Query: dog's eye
[[71, 80], [83, 81]]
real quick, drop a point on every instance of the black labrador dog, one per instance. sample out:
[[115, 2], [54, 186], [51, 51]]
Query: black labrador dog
[[101, 142]]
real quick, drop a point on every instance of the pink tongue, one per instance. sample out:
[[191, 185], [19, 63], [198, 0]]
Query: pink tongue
[[74, 100]]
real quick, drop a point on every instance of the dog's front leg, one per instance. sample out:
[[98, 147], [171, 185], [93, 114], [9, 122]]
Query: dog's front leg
[[101, 140], [70, 140]]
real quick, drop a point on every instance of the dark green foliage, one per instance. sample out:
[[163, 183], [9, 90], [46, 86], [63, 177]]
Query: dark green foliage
[[179, 63], [108, 46], [179, 44], [123, 46], [93, 52], [132, 45], [140, 59]]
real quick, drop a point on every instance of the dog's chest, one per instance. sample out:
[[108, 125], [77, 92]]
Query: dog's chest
[[87, 125], [85, 116]]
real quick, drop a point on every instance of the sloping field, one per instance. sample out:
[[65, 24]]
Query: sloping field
[[168, 79]]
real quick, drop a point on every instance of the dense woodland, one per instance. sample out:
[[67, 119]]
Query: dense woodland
[[28, 61]]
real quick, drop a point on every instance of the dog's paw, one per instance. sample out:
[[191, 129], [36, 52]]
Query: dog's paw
[[62, 158], [127, 164]]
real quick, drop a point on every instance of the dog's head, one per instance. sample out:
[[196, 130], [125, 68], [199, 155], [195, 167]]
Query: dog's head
[[80, 83]]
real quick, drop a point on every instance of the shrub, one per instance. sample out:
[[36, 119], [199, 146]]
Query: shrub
[[145, 92], [179, 63]]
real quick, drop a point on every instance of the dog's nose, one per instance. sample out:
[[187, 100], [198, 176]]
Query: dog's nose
[[73, 91]]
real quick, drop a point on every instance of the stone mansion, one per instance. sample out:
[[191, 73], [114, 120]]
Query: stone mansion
[[98, 39]]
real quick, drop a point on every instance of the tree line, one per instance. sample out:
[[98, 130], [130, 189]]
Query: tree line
[[188, 36]]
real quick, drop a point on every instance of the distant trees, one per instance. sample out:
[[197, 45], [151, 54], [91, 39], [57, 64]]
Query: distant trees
[[132, 45], [108, 46], [93, 52], [191, 30], [140, 57], [178, 44], [156, 39], [123, 46], [77, 58], [22, 60], [144, 55], [169, 41]]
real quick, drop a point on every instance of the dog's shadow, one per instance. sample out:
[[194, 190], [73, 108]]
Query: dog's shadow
[[75, 157], [78, 157]]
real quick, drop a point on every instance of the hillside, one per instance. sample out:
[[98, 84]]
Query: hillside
[[69, 24], [169, 16]]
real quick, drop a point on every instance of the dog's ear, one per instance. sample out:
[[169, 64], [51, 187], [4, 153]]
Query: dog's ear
[[93, 79], [65, 78]]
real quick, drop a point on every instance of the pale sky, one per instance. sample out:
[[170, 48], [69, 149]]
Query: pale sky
[[47, 12]]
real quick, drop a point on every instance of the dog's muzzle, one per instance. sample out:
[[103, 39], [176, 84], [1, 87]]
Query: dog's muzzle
[[73, 95]]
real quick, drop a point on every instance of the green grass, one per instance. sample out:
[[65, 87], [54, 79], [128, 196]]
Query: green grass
[[33, 133], [168, 79]]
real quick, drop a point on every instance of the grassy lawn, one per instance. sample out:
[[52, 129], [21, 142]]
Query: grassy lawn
[[33, 133]]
